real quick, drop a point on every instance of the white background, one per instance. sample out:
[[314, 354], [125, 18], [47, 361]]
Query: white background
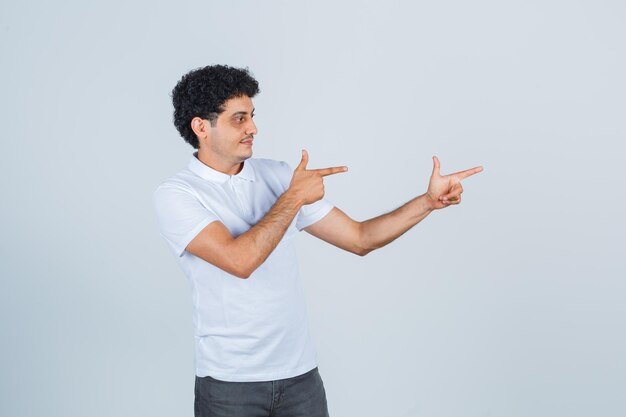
[[510, 304]]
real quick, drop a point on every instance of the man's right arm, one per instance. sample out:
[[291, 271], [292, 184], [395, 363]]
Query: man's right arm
[[242, 255]]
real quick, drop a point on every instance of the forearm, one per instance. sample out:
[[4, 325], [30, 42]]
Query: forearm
[[254, 246], [382, 230]]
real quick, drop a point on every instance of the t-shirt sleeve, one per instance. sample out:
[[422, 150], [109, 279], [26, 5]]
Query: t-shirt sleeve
[[310, 213], [181, 216]]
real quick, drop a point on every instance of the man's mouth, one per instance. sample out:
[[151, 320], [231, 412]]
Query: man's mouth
[[247, 140]]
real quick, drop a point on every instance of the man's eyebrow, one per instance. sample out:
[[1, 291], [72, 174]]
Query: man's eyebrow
[[242, 112]]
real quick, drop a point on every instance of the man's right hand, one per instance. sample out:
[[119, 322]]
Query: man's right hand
[[308, 184]]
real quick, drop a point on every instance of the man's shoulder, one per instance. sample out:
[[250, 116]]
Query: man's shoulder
[[181, 181]]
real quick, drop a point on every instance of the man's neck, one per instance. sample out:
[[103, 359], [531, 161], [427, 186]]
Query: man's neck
[[221, 165]]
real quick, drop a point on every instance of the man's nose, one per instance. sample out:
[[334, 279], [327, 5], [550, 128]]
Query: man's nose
[[251, 129]]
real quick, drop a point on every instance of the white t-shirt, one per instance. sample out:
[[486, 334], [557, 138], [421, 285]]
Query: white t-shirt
[[253, 329]]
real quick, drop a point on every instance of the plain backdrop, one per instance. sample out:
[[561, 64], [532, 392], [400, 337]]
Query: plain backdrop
[[509, 304]]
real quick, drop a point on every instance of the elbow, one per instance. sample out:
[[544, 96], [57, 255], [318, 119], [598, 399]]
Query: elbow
[[361, 248], [243, 272], [239, 264], [244, 268], [238, 268]]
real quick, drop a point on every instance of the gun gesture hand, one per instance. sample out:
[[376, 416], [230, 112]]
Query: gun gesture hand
[[446, 190], [308, 184]]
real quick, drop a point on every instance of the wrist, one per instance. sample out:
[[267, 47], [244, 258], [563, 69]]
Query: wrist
[[429, 202], [293, 197]]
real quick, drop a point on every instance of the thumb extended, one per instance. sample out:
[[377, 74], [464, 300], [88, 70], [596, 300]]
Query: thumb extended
[[305, 160], [436, 165]]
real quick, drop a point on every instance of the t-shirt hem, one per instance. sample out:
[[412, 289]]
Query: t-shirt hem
[[257, 377]]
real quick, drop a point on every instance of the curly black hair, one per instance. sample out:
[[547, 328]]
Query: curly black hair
[[203, 91]]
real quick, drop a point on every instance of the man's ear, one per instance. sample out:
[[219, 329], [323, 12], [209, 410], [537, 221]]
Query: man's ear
[[201, 127]]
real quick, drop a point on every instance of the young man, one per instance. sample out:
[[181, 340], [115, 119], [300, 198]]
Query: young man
[[230, 219]]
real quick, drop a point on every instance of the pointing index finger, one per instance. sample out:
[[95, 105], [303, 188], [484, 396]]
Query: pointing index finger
[[329, 171], [464, 174]]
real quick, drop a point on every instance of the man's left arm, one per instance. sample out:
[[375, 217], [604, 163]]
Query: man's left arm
[[360, 238]]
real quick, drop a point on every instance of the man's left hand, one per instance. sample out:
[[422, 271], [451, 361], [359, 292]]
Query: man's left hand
[[446, 190]]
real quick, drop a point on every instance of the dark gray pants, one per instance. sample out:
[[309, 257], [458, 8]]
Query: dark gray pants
[[300, 396]]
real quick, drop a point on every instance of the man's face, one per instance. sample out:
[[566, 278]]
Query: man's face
[[232, 136]]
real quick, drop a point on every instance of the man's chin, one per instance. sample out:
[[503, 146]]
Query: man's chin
[[244, 157]]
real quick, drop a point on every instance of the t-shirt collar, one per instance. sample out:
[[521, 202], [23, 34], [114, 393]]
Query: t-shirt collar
[[204, 171]]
